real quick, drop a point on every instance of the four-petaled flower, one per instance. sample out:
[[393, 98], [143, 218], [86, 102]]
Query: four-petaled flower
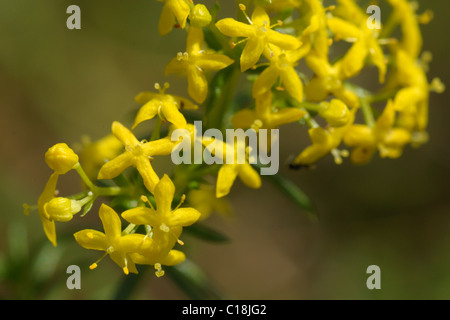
[[167, 224], [282, 66], [382, 136], [137, 154], [194, 62], [258, 35], [239, 166], [162, 104], [118, 246]]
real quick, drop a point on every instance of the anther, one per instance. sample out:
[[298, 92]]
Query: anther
[[159, 271], [243, 9]]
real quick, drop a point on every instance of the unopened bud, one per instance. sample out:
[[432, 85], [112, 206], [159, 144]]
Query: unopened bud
[[62, 209], [61, 158], [335, 112], [200, 16]]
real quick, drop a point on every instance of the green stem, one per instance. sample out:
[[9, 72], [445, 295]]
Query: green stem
[[221, 97], [85, 178], [367, 112], [156, 130]]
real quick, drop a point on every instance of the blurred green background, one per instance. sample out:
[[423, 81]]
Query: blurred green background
[[58, 84]]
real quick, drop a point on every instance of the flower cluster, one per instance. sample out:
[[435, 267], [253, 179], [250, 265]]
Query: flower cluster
[[267, 46]]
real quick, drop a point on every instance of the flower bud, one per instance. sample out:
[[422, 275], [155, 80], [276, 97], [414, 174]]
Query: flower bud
[[335, 112], [61, 158], [62, 209], [200, 16]]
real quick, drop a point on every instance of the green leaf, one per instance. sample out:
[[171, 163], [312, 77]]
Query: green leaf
[[296, 194], [193, 281], [206, 233]]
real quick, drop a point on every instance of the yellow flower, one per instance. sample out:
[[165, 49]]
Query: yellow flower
[[382, 136], [404, 13], [412, 99], [163, 105], [167, 224], [335, 113], [194, 62], [327, 80], [366, 43], [137, 154], [230, 171], [173, 11], [94, 154], [204, 200], [264, 117], [258, 36], [282, 65], [117, 246], [47, 195], [61, 158], [324, 141]]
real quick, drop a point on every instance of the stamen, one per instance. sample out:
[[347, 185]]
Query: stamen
[[183, 197], [180, 242], [95, 264], [243, 8], [159, 271], [126, 271], [163, 227], [437, 86], [234, 44]]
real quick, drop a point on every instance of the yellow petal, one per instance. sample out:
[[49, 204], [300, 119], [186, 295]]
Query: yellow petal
[[141, 216], [111, 223], [146, 171], [260, 17], [359, 135], [284, 41], [91, 239], [134, 243], [180, 9], [49, 230], [343, 29], [194, 40], [124, 134], [116, 166], [147, 112], [233, 28], [176, 66], [164, 193], [353, 61], [265, 81], [173, 115], [225, 179], [174, 257], [285, 116], [292, 83], [166, 20], [362, 155], [249, 176], [252, 52], [160, 147], [197, 84], [183, 217], [213, 61]]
